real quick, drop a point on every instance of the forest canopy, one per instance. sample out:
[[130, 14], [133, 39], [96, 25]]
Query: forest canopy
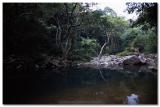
[[75, 32]]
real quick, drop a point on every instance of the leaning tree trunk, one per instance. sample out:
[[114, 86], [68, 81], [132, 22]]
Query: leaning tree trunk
[[102, 48], [99, 57]]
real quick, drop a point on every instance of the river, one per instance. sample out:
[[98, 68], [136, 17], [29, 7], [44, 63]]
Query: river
[[79, 86]]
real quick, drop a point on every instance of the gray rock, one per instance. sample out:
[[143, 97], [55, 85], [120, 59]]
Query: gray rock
[[116, 62], [133, 60]]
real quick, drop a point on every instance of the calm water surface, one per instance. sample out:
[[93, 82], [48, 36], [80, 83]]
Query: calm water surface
[[79, 86]]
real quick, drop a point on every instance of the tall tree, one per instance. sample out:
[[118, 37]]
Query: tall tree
[[147, 13]]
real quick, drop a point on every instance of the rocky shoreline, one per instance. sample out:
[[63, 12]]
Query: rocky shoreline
[[120, 62]]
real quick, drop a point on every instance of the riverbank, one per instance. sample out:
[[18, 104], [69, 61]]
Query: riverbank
[[116, 62]]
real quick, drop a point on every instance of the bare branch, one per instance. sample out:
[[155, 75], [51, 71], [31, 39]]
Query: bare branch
[[73, 9]]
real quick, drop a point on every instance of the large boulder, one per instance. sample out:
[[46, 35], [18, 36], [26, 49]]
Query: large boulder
[[133, 60]]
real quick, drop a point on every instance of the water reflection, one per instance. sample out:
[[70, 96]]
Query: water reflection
[[82, 86]]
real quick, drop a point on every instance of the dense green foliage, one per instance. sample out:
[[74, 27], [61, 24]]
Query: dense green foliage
[[72, 31], [85, 49]]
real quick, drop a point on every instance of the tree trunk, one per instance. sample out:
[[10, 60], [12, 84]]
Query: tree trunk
[[100, 53], [99, 57], [102, 48]]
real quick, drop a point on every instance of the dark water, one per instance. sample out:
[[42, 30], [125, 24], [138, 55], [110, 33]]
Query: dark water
[[79, 86]]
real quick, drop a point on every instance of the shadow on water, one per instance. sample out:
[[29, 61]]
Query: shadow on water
[[79, 86]]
